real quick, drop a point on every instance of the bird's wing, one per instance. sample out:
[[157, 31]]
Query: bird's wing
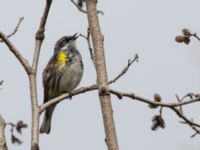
[[48, 75]]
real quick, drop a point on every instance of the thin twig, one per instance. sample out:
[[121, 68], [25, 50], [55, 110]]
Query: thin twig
[[89, 45], [1, 82], [191, 123], [197, 131], [84, 11], [179, 100], [161, 110], [130, 62], [78, 7], [197, 37], [3, 145], [15, 29]]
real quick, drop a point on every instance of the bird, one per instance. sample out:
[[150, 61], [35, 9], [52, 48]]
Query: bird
[[62, 74]]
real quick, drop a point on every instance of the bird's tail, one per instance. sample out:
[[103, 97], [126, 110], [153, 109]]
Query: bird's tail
[[46, 124]]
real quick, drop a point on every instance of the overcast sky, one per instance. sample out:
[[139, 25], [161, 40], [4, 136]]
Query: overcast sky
[[147, 28]]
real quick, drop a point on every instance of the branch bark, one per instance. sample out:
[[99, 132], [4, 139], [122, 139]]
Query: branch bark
[[3, 145], [102, 80], [39, 37], [16, 52]]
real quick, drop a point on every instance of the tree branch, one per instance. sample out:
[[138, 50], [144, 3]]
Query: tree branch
[[130, 62], [14, 50], [197, 37], [172, 106], [1, 82], [3, 145], [78, 7], [120, 95], [67, 95], [133, 96], [83, 11], [89, 45], [181, 115], [102, 79], [15, 29], [39, 37]]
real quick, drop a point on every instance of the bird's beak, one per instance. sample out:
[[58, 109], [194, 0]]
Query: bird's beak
[[75, 36]]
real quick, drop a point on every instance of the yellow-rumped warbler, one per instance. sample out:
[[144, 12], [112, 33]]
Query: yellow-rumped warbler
[[62, 74]]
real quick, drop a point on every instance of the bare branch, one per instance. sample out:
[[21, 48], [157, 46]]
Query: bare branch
[[84, 11], [195, 35], [197, 131], [3, 145], [89, 45], [14, 50], [119, 94], [1, 82], [149, 101], [39, 37], [18, 128], [78, 7], [130, 62], [172, 106], [133, 96], [40, 34], [15, 29], [102, 79], [191, 123], [67, 95]]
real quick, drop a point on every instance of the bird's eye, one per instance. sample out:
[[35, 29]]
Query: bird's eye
[[70, 61]]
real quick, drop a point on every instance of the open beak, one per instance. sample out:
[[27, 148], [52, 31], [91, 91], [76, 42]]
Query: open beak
[[75, 36]]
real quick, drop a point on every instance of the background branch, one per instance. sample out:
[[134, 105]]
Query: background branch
[[78, 7], [172, 106], [89, 45], [196, 36], [3, 145], [15, 29], [120, 95], [130, 62], [1, 82]]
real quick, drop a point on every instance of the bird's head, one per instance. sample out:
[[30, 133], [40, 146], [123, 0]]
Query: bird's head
[[66, 42]]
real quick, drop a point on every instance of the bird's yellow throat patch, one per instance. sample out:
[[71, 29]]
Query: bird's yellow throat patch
[[62, 58]]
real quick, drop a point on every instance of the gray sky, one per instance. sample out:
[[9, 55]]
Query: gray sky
[[147, 28]]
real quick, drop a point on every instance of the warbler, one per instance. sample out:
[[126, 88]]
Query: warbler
[[62, 74]]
